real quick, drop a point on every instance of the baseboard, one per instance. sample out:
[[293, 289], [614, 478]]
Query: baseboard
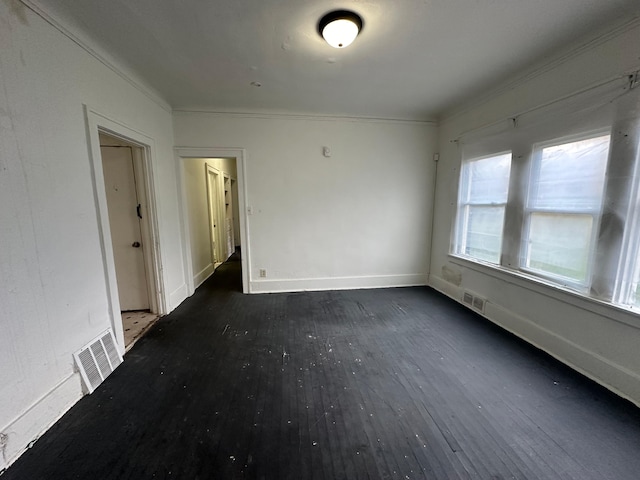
[[617, 378], [22, 432], [177, 297], [202, 275], [337, 283]]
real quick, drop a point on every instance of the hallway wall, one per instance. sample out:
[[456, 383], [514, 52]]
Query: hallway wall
[[52, 275], [195, 180], [359, 218]]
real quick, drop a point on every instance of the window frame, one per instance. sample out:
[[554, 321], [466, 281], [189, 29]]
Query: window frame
[[532, 174], [460, 243], [612, 109]]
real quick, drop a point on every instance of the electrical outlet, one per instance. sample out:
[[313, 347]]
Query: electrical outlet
[[263, 273]]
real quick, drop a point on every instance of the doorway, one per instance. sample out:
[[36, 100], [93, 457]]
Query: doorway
[[127, 209], [211, 196]]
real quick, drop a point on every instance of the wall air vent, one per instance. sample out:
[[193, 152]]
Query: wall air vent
[[467, 299], [97, 360], [478, 304], [473, 301]]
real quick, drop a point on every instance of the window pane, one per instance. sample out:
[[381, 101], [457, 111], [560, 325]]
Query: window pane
[[484, 233], [484, 185], [559, 244], [571, 176], [489, 179]]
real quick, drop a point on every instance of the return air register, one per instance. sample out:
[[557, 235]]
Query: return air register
[[97, 360], [475, 302]]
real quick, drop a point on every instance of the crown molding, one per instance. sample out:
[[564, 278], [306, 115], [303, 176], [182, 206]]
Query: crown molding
[[84, 43], [539, 69], [296, 116]]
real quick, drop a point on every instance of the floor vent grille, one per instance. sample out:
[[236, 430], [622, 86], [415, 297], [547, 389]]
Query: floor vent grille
[[97, 360]]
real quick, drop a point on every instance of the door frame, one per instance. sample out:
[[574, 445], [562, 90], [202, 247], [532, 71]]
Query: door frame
[[227, 208], [144, 146], [182, 155], [214, 209]]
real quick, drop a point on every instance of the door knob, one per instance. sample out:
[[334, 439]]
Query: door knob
[[135, 244]]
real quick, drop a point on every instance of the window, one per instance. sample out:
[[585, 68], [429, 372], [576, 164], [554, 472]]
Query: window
[[484, 185], [561, 203], [563, 208]]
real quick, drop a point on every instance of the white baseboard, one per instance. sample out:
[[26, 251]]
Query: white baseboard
[[617, 378], [25, 429], [202, 275], [337, 283], [177, 297]]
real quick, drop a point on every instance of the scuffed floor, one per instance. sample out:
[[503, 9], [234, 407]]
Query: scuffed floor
[[397, 383]]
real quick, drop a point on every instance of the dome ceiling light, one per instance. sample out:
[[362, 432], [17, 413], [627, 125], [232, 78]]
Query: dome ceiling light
[[340, 28]]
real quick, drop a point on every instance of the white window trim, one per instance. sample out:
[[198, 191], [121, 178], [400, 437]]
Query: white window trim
[[594, 213], [459, 244], [612, 106], [630, 314]]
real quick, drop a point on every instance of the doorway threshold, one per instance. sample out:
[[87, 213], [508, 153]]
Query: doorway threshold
[[135, 324]]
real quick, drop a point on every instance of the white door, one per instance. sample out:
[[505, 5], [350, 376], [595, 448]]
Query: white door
[[213, 201], [124, 221], [228, 216]]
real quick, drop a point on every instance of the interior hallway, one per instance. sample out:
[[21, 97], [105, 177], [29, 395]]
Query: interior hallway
[[394, 383]]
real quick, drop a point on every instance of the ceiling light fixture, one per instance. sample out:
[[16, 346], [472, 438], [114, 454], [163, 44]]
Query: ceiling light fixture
[[340, 28]]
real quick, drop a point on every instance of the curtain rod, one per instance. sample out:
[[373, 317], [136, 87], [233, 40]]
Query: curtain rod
[[632, 76]]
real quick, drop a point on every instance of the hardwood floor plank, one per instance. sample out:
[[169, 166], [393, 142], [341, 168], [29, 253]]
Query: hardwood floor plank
[[365, 384]]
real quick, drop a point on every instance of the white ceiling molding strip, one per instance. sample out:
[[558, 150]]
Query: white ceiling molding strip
[[84, 43], [295, 116], [541, 68]]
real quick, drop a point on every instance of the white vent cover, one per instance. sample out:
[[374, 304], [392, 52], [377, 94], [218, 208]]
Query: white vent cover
[[478, 304], [475, 302], [467, 298], [97, 360]]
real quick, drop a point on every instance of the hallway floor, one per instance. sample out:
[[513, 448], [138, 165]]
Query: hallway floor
[[364, 384]]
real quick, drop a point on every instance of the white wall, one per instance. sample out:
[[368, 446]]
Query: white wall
[[596, 339], [195, 180], [358, 219], [52, 274]]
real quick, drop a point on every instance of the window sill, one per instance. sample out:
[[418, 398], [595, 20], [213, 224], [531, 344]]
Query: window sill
[[627, 315]]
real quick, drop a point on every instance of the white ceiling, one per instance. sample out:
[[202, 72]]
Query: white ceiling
[[413, 59]]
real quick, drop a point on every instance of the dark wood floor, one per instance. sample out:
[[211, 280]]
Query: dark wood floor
[[395, 383]]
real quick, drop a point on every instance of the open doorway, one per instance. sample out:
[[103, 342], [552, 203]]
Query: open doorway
[[210, 194], [143, 148], [130, 234]]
